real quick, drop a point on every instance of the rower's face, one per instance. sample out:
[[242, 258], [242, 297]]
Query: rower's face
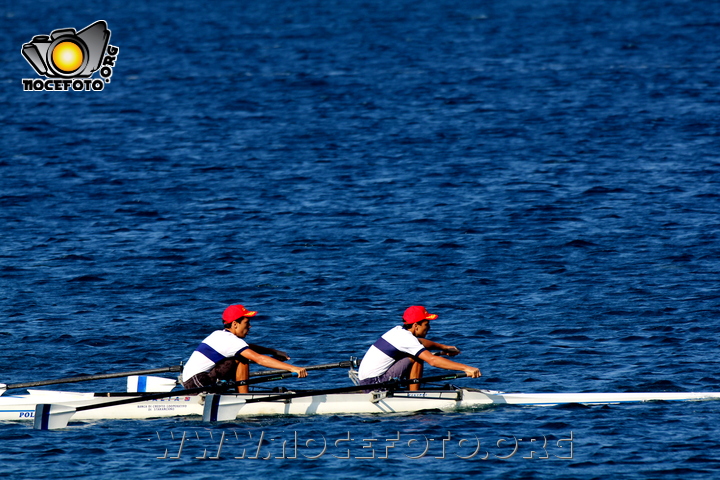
[[421, 328], [242, 327]]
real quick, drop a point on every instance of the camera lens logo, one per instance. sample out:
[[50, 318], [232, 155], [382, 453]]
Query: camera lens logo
[[66, 54], [68, 57]]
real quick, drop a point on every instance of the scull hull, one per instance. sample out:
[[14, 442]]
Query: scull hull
[[22, 407]]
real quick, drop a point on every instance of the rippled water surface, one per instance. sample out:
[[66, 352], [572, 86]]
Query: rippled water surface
[[543, 175]]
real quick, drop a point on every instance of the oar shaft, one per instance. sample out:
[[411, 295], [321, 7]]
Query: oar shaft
[[267, 376], [176, 368], [189, 391], [86, 378], [390, 385], [326, 366]]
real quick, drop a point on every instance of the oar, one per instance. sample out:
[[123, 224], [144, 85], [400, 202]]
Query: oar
[[86, 378], [224, 408], [57, 416], [51, 416], [325, 366], [391, 384], [176, 368]]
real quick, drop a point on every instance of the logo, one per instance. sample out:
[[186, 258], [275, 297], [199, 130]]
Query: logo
[[68, 59]]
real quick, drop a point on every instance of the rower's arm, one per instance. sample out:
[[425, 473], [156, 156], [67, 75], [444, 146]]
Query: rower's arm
[[270, 362], [447, 349], [278, 354], [447, 364]]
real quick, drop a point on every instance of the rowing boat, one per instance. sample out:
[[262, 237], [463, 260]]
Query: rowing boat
[[230, 406], [155, 397]]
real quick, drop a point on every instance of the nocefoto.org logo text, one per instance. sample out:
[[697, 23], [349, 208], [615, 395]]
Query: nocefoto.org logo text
[[68, 59]]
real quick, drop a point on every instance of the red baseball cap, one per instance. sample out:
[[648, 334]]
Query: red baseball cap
[[236, 312], [417, 313]]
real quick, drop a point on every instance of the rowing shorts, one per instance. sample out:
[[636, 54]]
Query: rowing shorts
[[223, 370], [399, 369]]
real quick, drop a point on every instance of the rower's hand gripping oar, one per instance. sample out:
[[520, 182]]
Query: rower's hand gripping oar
[[226, 407], [87, 378], [53, 416]]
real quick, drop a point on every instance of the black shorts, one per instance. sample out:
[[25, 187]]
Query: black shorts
[[223, 370]]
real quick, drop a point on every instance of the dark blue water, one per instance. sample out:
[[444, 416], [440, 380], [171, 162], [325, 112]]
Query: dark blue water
[[544, 175]]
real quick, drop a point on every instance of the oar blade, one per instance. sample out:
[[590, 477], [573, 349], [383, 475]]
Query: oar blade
[[144, 383], [221, 408], [50, 416]]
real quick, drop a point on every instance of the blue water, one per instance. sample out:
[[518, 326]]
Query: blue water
[[544, 175]]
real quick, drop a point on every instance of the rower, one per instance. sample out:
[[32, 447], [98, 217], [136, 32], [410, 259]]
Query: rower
[[224, 355], [403, 350]]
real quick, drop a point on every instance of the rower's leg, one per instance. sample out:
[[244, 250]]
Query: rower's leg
[[242, 373], [416, 371]]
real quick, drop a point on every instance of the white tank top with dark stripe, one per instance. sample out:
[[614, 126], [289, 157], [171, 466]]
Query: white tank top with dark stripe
[[394, 345], [219, 345]]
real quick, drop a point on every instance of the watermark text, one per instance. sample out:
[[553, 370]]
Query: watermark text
[[292, 445]]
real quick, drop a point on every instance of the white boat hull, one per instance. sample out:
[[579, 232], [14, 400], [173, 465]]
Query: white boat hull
[[22, 407]]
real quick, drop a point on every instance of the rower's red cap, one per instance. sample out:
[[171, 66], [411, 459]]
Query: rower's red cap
[[235, 312], [417, 313]]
